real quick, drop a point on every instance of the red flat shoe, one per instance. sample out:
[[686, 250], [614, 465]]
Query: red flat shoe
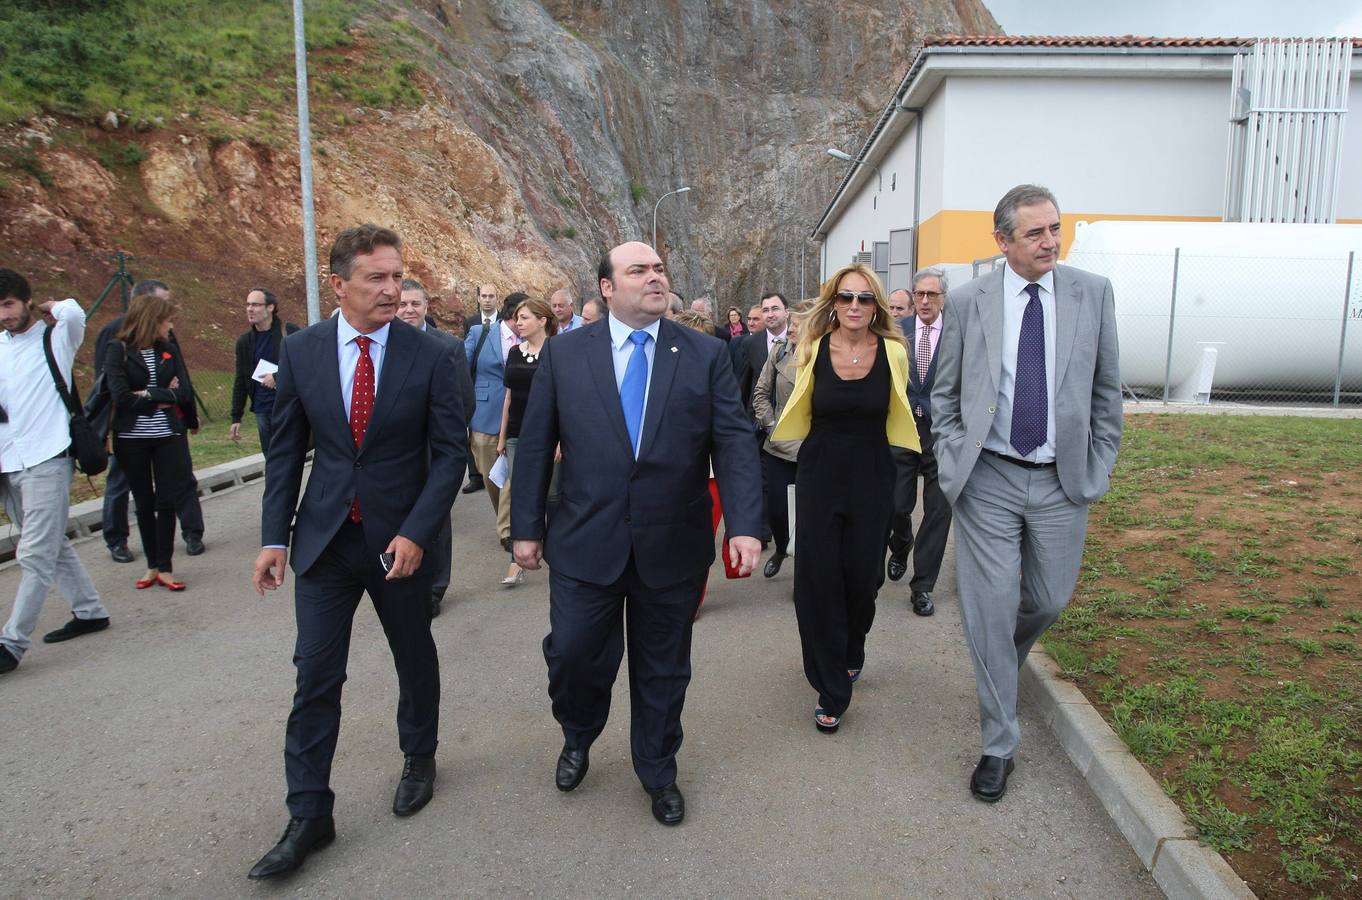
[[144, 583], [172, 585]]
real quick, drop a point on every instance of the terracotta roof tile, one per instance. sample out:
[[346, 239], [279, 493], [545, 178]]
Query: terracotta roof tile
[[1127, 40]]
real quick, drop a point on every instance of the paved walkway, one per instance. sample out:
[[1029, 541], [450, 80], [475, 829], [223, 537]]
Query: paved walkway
[[147, 760]]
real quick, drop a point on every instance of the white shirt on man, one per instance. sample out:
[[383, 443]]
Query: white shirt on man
[[39, 425], [771, 338], [1015, 298], [347, 352], [621, 348]]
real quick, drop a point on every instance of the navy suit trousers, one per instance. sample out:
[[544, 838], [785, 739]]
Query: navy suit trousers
[[325, 600], [583, 649]]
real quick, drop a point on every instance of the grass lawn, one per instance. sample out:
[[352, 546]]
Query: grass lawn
[[1218, 626]]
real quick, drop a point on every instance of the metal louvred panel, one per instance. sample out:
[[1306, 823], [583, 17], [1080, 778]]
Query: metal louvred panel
[[1288, 106]]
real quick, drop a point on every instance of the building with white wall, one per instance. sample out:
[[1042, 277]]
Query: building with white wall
[[1118, 127]]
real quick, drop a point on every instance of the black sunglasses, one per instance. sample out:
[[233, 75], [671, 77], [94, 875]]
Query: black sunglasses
[[844, 298]]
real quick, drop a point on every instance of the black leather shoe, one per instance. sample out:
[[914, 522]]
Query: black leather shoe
[[75, 628], [120, 553], [773, 564], [474, 485], [416, 786], [989, 781], [669, 807], [506, 544], [8, 661], [194, 546], [301, 837], [922, 603], [897, 567], [572, 766]]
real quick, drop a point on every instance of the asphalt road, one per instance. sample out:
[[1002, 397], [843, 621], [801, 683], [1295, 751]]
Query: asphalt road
[[147, 760]]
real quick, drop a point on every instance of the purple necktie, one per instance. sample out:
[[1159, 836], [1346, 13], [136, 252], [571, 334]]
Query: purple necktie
[[1029, 403]]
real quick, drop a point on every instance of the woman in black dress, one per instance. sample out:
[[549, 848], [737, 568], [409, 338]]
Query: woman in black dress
[[153, 405], [535, 323], [849, 403]]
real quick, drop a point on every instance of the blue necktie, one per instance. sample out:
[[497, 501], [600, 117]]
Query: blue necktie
[[1029, 402], [633, 386]]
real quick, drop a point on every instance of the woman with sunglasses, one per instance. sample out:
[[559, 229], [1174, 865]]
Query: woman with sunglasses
[[849, 404]]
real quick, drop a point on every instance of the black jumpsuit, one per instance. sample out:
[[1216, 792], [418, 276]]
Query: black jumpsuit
[[844, 497]]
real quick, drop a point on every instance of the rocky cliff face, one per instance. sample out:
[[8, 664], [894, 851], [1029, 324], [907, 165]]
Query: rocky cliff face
[[547, 133]]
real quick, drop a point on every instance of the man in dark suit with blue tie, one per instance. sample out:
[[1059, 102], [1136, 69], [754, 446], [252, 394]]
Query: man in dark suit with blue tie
[[923, 332], [377, 398], [632, 533]]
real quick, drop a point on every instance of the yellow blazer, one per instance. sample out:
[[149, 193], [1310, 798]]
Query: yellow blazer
[[900, 426]]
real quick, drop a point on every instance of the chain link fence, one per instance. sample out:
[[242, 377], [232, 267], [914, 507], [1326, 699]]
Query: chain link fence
[[1203, 328]]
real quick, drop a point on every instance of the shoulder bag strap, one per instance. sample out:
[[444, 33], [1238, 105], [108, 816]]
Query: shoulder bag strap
[[72, 402], [477, 351]]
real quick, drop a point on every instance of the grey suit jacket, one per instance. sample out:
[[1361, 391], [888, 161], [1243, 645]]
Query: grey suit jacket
[[969, 362]]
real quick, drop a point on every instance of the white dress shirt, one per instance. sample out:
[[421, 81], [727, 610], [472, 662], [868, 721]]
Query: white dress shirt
[[39, 425], [508, 340], [621, 348], [1015, 298], [347, 352], [772, 338]]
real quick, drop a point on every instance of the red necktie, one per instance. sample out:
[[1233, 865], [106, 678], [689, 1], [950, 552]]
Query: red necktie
[[361, 404]]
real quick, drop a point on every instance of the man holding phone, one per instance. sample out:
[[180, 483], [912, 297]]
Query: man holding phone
[[390, 441]]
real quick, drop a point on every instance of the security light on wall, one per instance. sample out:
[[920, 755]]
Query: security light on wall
[[846, 157]]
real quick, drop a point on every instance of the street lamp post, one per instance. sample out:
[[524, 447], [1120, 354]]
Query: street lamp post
[[680, 190], [847, 157]]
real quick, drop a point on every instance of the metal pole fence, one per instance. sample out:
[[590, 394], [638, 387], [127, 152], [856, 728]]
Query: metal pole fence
[[1343, 329], [1172, 317]]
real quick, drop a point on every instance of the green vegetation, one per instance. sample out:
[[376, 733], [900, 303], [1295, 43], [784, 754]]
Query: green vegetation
[[636, 190], [1218, 624], [157, 59]]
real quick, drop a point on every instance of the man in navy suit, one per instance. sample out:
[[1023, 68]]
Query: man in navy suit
[[922, 332], [378, 399], [632, 532]]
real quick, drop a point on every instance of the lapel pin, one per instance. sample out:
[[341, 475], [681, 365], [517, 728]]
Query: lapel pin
[[674, 349]]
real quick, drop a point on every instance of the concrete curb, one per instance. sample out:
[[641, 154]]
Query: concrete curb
[[87, 518], [1156, 829]]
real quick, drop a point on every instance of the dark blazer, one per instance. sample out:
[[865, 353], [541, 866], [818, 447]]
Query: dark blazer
[[242, 384], [920, 392], [755, 351], [454, 346], [406, 473], [126, 373], [94, 404], [657, 507]]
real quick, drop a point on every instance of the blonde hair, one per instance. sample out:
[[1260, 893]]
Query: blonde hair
[[696, 320], [540, 309], [821, 318]]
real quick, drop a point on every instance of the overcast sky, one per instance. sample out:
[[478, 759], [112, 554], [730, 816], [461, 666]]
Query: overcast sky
[[1181, 18]]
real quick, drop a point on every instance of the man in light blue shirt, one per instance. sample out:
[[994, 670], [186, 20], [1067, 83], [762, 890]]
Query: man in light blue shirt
[[564, 310]]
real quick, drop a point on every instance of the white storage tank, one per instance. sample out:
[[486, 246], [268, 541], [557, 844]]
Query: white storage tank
[[1263, 305]]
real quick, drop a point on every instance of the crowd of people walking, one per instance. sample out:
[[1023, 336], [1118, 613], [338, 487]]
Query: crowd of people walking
[[608, 434]]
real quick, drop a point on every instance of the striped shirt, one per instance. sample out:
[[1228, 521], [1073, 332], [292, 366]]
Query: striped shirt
[[156, 425]]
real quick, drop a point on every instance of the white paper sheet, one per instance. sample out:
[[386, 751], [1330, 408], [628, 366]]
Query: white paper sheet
[[263, 368], [500, 472]]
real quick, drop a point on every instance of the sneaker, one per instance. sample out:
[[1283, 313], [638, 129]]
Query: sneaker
[[121, 553], [8, 661], [75, 628], [193, 546]]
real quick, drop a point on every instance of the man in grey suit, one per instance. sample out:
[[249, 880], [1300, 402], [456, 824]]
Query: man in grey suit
[[1027, 419], [413, 307]]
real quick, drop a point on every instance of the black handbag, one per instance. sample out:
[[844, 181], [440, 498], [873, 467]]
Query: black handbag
[[87, 447]]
